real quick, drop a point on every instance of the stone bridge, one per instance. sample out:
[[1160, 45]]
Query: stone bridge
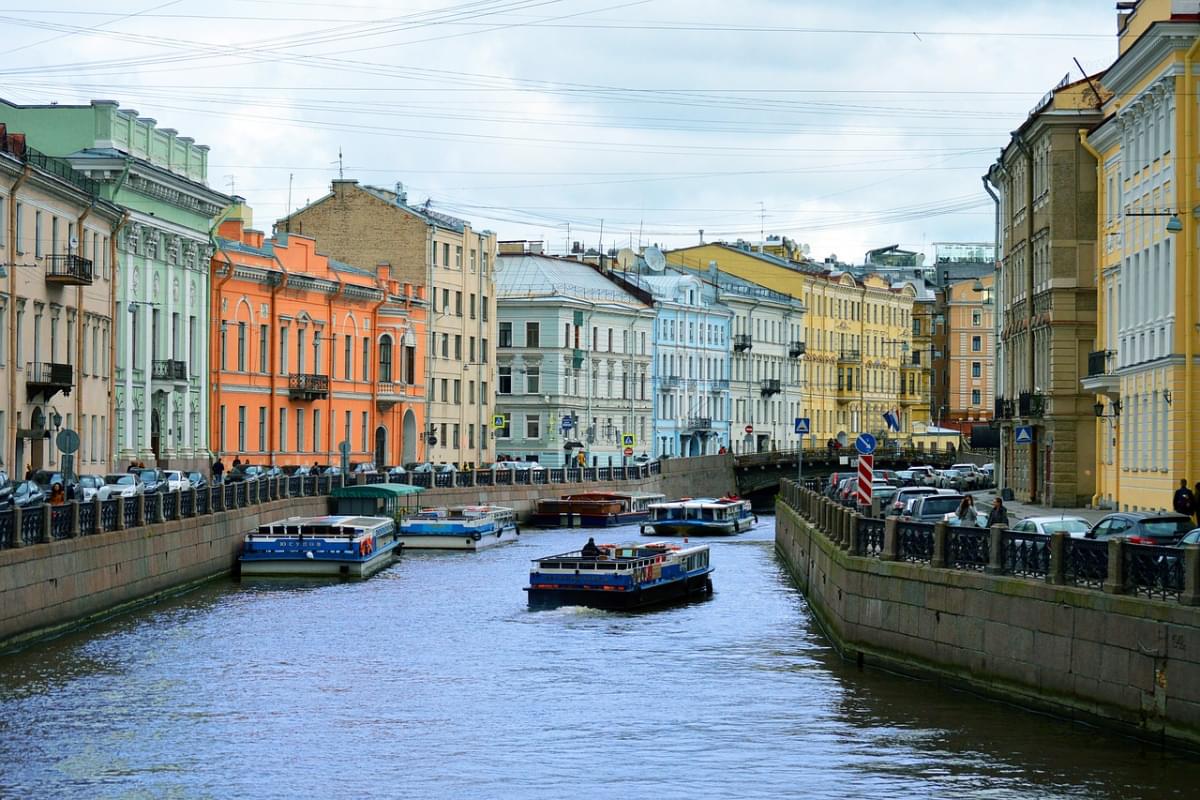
[[758, 474]]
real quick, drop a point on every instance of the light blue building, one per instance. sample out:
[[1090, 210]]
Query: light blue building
[[691, 360], [574, 360]]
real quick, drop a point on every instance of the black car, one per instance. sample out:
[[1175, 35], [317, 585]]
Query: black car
[[154, 479], [22, 494], [1142, 527]]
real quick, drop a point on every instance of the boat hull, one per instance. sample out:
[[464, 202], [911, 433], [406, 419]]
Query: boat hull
[[577, 519], [320, 567], [692, 586], [698, 527], [457, 540]]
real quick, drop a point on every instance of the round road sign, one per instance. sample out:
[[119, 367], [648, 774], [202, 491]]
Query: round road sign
[[67, 441], [628, 451], [749, 429]]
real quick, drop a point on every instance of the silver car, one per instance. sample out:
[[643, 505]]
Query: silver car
[[1075, 527]]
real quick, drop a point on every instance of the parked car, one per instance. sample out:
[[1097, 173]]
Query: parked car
[[394, 471], [907, 494], [1192, 537], [989, 474], [641, 459], [907, 477], [971, 474], [885, 492], [845, 491], [365, 468], [155, 480], [1075, 527], [934, 507], [835, 482], [176, 481], [121, 484], [88, 487], [953, 479], [22, 494], [976, 520], [1142, 527], [926, 476], [197, 480]]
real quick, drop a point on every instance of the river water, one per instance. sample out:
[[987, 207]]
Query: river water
[[432, 679]]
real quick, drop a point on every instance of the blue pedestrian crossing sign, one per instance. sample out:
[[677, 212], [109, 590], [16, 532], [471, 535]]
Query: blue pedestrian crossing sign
[[1024, 434], [628, 440], [499, 421], [802, 425], [568, 422], [865, 444]]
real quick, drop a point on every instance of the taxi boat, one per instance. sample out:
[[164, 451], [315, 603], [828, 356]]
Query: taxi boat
[[459, 528], [345, 546], [595, 509], [621, 577], [704, 516]]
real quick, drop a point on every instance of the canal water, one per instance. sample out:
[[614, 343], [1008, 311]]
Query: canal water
[[432, 680]]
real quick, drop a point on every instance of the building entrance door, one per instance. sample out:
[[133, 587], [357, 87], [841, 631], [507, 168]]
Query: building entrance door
[[380, 446]]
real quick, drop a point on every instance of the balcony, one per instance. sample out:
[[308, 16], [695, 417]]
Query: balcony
[[46, 380], [847, 393], [1100, 375], [769, 386], [65, 270], [387, 394], [169, 370], [742, 342], [719, 385], [670, 382], [699, 423], [576, 359], [303, 386], [1003, 408], [1030, 404], [797, 349], [850, 357]]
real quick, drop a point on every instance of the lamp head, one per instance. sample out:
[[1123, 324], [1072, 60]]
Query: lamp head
[[1174, 225]]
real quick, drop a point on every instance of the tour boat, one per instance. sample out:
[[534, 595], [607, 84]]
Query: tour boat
[[621, 577], [594, 509], [459, 528], [705, 516], [355, 547]]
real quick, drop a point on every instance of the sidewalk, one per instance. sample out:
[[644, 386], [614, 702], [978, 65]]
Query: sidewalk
[[1018, 511]]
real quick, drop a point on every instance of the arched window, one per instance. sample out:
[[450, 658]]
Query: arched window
[[385, 359]]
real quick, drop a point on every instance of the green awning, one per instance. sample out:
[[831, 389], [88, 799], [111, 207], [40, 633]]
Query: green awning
[[384, 490]]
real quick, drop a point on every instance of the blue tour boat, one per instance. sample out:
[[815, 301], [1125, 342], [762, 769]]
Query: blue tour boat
[[621, 577], [459, 528], [343, 546], [594, 509], [704, 516]]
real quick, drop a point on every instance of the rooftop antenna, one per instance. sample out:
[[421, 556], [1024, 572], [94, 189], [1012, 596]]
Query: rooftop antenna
[[231, 181], [641, 225], [290, 176], [601, 245], [1092, 86], [762, 225], [341, 172]]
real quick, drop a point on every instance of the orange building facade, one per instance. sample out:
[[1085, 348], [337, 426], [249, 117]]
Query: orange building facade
[[308, 353]]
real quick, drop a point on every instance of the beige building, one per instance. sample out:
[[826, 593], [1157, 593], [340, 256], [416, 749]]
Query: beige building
[[970, 353], [1046, 182], [56, 306], [369, 227]]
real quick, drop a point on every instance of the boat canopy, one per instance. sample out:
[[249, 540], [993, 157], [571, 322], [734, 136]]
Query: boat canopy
[[374, 498]]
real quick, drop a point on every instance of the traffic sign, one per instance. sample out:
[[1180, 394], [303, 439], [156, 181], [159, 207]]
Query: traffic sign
[[1024, 434], [628, 440], [866, 477], [628, 451], [802, 426], [344, 448], [865, 444], [498, 420], [67, 441], [749, 429], [568, 422]]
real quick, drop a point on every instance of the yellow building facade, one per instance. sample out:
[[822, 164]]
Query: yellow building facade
[[858, 337], [1144, 370]]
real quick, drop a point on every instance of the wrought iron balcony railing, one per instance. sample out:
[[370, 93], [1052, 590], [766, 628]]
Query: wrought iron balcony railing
[[169, 370], [769, 386], [304, 386], [68, 270], [850, 356], [1098, 362], [797, 349], [699, 423], [742, 342]]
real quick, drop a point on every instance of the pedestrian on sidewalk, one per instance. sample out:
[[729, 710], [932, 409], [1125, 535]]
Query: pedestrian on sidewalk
[[1196, 502], [998, 514], [966, 511], [218, 469], [1185, 500]]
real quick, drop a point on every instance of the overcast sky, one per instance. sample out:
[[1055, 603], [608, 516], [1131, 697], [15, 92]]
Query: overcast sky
[[846, 125]]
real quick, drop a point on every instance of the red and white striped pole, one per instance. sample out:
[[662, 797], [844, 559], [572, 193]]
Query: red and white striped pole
[[866, 476]]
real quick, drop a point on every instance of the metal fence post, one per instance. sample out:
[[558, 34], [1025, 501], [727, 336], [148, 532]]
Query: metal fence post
[[74, 519], [851, 543], [1115, 582], [18, 514], [1190, 596], [995, 564], [891, 540], [1056, 573], [283, 488], [120, 513], [940, 534]]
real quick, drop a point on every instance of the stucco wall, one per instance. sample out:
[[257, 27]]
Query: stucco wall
[[1129, 663]]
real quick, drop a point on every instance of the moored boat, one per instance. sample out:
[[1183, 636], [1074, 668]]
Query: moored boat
[[459, 528], [344, 546], [621, 577], [594, 509], [704, 516]]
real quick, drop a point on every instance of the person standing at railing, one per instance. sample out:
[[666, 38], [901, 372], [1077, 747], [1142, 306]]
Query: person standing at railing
[[57, 496], [998, 514], [218, 470], [1184, 501]]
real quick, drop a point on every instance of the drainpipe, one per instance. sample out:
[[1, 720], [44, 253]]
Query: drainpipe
[[996, 314], [432, 337], [375, 383], [1101, 202], [17, 469], [1034, 474], [215, 369], [272, 359], [112, 339], [329, 398], [1189, 229]]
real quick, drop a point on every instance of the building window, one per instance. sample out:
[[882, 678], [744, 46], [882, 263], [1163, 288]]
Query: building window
[[533, 426], [445, 397], [505, 379], [458, 262], [976, 317], [446, 264], [457, 391], [241, 345], [348, 357], [262, 429], [458, 347], [445, 345], [18, 239], [454, 434], [366, 358], [976, 344], [221, 431], [224, 339], [505, 334], [975, 397], [470, 435], [458, 302], [410, 358], [533, 334], [281, 446], [385, 359], [505, 430], [533, 380], [976, 369], [299, 430], [366, 423], [472, 303], [483, 302], [316, 430], [263, 333], [283, 350], [37, 234]]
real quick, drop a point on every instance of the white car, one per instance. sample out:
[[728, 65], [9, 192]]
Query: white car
[[176, 480], [973, 474], [89, 486], [1075, 527], [925, 475], [120, 484]]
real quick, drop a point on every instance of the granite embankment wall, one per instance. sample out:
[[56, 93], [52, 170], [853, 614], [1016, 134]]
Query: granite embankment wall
[[1126, 662], [48, 586]]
